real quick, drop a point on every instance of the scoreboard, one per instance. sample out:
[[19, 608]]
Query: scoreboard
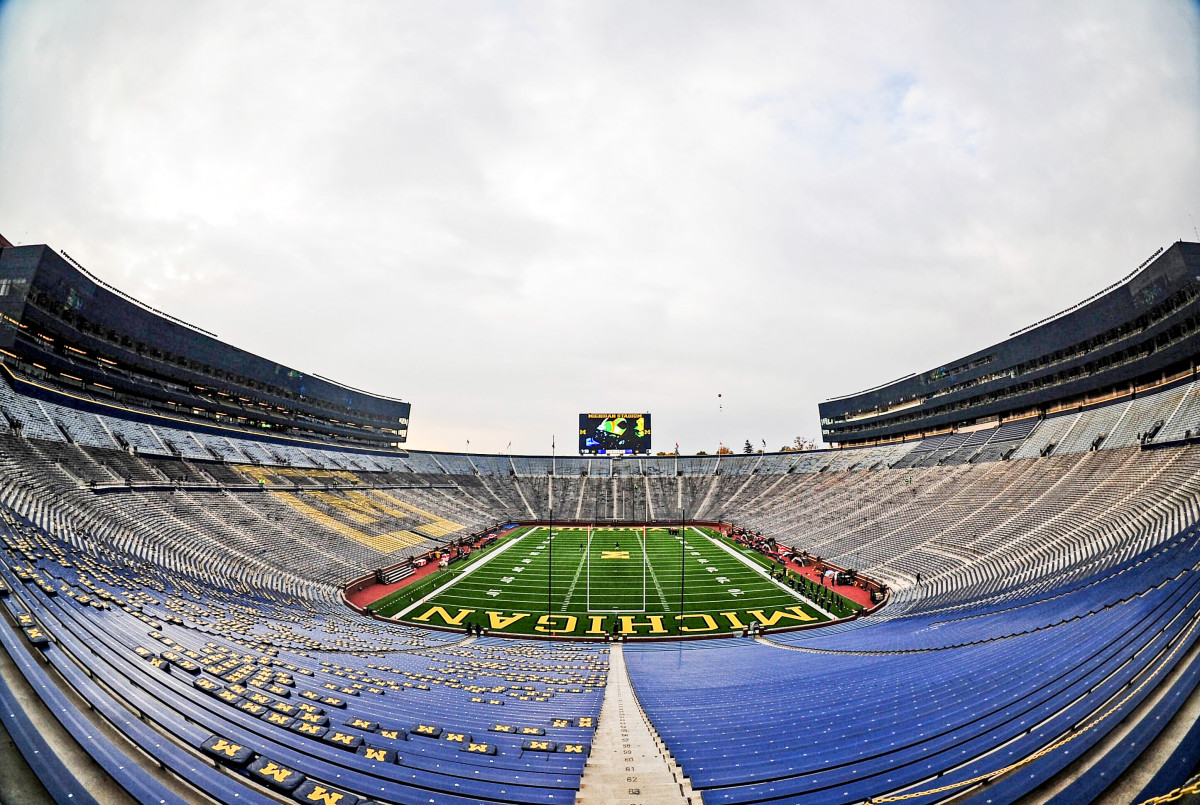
[[603, 434]]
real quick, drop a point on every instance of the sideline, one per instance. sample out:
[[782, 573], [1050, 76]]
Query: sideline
[[464, 574], [762, 571]]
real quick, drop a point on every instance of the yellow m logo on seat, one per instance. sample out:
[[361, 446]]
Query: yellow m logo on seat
[[324, 795], [277, 773], [226, 747]]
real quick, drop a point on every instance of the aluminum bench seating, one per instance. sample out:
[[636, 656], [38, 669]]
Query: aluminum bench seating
[[779, 787], [1041, 769], [254, 732], [1093, 782], [50, 769], [149, 741], [1019, 614], [1085, 676], [1177, 768], [141, 787]]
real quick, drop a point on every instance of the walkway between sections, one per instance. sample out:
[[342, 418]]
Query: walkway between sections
[[629, 765]]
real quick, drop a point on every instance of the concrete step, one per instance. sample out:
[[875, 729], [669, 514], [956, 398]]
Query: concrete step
[[628, 764]]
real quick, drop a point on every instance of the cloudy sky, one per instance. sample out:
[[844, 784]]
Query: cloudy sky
[[508, 213]]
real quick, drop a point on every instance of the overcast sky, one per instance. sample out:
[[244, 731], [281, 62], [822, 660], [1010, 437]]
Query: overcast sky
[[509, 213]]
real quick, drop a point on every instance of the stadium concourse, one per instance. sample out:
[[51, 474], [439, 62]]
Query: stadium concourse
[[175, 551]]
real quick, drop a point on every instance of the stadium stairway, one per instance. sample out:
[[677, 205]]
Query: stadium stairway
[[629, 764]]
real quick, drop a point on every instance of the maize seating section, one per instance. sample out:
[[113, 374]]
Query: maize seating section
[[180, 590]]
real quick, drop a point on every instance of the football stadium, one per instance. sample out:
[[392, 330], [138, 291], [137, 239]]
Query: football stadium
[[225, 580]]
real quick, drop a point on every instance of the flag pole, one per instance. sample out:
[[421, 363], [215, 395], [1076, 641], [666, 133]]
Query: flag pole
[[550, 568], [682, 558]]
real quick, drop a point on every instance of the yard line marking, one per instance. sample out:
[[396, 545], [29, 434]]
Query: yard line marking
[[571, 589], [762, 571], [464, 574], [653, 576]]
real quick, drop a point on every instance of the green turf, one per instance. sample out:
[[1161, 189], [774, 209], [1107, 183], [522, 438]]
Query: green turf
[[512, 587], [396, 601]]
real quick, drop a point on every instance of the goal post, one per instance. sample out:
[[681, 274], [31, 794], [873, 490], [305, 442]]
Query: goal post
[[598, 606]]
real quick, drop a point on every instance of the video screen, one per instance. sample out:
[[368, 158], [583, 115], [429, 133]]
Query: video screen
[[600, 434]]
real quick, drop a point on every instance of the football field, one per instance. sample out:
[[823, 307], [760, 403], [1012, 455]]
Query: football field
[[596, 581]]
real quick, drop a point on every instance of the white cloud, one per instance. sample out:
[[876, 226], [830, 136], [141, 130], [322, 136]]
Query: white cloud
[[508, 212]]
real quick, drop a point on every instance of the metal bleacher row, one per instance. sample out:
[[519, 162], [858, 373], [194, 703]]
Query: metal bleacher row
[[951, 696], [181, 588], [330, 698]]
